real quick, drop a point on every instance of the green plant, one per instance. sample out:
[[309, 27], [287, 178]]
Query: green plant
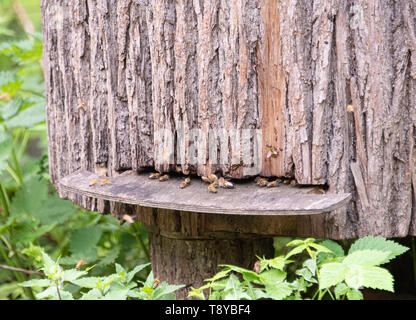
[[117, 286], [325, 272], [31, 213]]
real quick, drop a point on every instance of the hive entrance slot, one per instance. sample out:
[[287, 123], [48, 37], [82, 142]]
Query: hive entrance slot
[[245, 199]]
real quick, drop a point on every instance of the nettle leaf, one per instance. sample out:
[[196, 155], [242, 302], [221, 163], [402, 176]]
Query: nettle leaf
[[87, 282], [277, 263], [340, 290], [110, 257], [307, 275], [279, 291], [28, 117], [355, 295], [83, 241], [9, 82], [296, 250], [73, 274], [336, 249], [10, 108], [366, 258], [54, 210], [30, 197], [163, 290], [50, 267], [36, 283], [273, 276], [331, 274], [137, 269], [379, 244], [370, 277]]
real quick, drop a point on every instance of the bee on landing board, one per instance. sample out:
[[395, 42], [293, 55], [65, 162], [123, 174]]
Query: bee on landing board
[[164, 178], [185, 183], [262, 182], [212, 189], [155, 175]]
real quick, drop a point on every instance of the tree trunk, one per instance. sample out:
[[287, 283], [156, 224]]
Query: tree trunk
[[330, 85]]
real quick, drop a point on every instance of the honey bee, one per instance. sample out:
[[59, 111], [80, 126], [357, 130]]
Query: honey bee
[[222, 183], [212, 189], [80, 263], [185, 183], [286, 181], [102, 171], [273, 184], [81, 106], [317, 190], [164, 178], [178, 169], [156, 283], [93, 182], [293, 183], [128, 219], [273, 153], [206, 179], [350, 108], [104, 182], [4, 96], [213, 177], [257, 267], [262, 182], [155, 175]]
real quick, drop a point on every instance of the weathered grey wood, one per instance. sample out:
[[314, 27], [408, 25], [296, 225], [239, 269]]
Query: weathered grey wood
[[288, 68], [245, 198]]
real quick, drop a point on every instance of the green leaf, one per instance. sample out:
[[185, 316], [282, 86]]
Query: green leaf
[[54, 210], [331, 274], [136, 270], [30, 197], [280, 291], [340, 290], [379, 244], [28, 117], [366, 257], [36, 283], [307, 275], [273, 276], [50, 267], [296, 250], [87, 282], [83, 241], [336, 249], [370, 277], [355, 295], [73, 274], [164, 289], [110, 257]]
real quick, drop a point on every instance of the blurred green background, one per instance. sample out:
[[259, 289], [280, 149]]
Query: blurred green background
[[33, 219]]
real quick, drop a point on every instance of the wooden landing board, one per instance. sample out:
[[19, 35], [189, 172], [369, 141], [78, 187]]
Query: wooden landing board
[[246, 198]]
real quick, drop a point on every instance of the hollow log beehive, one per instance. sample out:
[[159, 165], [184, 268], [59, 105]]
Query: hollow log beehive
[[329, 86]]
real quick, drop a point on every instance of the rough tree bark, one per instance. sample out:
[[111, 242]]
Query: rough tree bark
[[119, 70]]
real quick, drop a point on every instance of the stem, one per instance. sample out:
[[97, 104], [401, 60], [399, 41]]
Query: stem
[[59, 293], [17, 167], [2, 266], [142, 245], [4, 200], [23, 144]]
